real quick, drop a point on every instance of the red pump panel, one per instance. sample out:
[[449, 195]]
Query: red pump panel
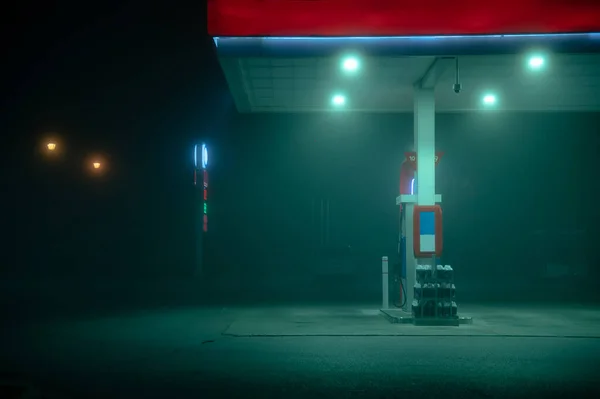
[[407, 172], [408, 168], [427, 231]]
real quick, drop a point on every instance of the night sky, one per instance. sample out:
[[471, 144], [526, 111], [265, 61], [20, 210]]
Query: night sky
[[136, 83]]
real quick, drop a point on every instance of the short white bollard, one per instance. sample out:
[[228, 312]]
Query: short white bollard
[[385, 283]]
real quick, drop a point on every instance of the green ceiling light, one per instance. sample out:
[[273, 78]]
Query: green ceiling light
[[350, 64], [338, 100], [536, 62], [489, 100]]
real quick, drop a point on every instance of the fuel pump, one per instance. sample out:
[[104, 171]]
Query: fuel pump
[[408, 178]]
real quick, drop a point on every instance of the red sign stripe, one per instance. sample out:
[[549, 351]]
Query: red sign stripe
[[400, 17]]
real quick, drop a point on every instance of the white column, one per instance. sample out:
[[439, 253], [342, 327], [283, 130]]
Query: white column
[[424, 133], [385, 283]]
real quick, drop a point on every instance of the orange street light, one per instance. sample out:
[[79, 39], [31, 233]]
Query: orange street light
[[51, 146], [96, 164]]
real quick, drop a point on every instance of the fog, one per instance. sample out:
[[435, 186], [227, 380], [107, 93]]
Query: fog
[[520, 220]]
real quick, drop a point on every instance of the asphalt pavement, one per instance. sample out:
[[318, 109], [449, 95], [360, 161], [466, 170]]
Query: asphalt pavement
[[206, 352]]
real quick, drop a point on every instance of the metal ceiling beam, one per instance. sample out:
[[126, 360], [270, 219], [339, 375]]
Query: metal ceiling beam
[[434, 72]]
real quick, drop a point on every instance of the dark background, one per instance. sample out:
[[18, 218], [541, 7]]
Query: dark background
[[140, 84]]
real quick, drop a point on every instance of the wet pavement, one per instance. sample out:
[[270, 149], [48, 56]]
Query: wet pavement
[[308, 350], [360, 320]]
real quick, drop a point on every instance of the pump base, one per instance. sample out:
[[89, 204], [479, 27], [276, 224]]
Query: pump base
[[397, 316], [436, 321]]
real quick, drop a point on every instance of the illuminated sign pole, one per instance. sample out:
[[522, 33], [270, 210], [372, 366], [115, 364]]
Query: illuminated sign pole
[[201, 213], [204, 188]]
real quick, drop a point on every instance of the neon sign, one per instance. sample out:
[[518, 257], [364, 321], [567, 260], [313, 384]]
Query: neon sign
[[204, 156]]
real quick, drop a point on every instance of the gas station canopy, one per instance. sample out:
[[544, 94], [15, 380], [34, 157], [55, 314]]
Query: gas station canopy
[[415, 57], [289, 57]]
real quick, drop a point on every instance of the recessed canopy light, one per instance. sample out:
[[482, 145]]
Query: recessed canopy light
[[338, 100], [489, 99], [536, 62], [350, 64]]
